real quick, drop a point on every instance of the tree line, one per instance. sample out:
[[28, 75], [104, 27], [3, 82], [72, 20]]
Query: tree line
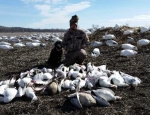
[[21, 29]]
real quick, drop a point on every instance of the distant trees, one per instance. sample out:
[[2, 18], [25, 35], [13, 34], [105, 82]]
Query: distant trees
[[20, 29]]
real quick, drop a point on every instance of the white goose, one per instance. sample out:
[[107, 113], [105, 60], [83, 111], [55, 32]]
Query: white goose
[[143, 42], [30, 93], [6, 47], [127, 32], [32, 44], [96, 44], [8, 95], [5, 43], [95, 52], [105, 82], [68, 84], [130, 40], [19, 45], [108, 36], [80, 99], [128, 53], [133, 81], [106, 94], [111, 43], [128, 46], [117, 79]]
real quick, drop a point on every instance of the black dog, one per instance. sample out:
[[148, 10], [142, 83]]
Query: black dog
[[55, 55]]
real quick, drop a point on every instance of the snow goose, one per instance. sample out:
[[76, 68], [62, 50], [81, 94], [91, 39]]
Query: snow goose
[[8, 95], [96, 44], [19, 45], [130, 40], [117, 27], [30, 93], [108, 36], [128, 53], [6, 47], [127, 32], [4, 43], [143, 42], [95, 52], [133, 81], [128, 46], [32, 44], [106, 94], [74, 74], [111, 43], [117, 79], [68, 84], [105, 82], [79, 82], [14, 39], [144, 29], [80, 99]]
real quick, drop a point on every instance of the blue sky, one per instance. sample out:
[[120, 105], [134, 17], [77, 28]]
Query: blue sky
[[46, 14]]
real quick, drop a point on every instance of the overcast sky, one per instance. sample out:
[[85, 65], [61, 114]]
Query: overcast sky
[[47, 14]]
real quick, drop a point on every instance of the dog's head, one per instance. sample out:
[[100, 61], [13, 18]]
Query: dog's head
[[58, 44]]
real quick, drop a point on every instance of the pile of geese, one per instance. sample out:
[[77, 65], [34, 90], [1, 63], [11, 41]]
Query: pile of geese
[[96, 80]]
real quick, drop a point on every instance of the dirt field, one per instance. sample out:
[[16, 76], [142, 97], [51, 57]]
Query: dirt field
[[133, 102]]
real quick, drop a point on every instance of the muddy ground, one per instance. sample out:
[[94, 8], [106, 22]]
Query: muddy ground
[[133, 102]]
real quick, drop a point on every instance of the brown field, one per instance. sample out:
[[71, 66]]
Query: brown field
[[133, 102]]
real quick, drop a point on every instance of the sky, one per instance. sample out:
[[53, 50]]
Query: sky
[[47, 14]]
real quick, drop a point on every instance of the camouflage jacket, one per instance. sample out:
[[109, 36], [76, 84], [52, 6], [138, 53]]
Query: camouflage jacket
[[75, 40]]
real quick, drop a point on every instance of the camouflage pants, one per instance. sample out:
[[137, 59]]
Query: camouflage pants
[[74, 57]]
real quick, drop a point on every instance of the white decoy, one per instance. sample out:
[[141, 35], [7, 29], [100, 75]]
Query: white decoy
[[55, 39], [130, 40], [143, 42], [95, 52], [102, 27], [8, 95], [96, 44], [30, 93], [117, 27], [32, 44], [117, 79], [128, 53], [127, 32], [108, 36], [14, 39], [6, 47], [128, 46], [36, 41], [19, 45], [4, 43], [111, 43], [144, 29], [87, 32]]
